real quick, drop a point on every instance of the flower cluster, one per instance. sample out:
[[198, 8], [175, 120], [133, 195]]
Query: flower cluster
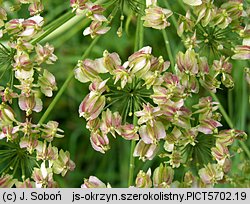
[[94, 12], [156, 100], [212, 25], [33, 158]]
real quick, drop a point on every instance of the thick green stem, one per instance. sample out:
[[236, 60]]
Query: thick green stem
[[53, 26], [65, 84], [230, 123], [168, 48], [131, 164]]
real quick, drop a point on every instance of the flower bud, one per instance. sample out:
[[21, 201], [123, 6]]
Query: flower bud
[[9, 132], [47, 82], [145, 151], [29, 104], [152, 134], [99, 142], [226, 137], [211, 174], [44, 54], [44, 152], [94, 12], [44, 177], [7, 181], [32, 26], [242, 52], [88, 70], [22, 62], [36, 8], [93, 125], [187, 63], [63, 163], [123, 74], [3, 16], [185, 24], [220, 153], [7, 115], [30, 143], [189, 179], [129, 132], [206, 107], [222, 19], [208, 126], [7, 94], [111, 122], [205, 12], [163, 176], [175, 159], [94, 182], [14, 26], [94, 102], [111, 61], [193, 2], [233, 8], [96, 28], [143, 179], [91, 106], [51, 130], [140, 62], [156, 17], [25, 184]]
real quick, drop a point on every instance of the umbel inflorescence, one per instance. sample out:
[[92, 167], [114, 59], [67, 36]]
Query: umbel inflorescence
[[154, 110], [163, 111], [155, 99]]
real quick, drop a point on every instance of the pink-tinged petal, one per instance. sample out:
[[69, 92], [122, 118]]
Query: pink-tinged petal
[[145, 151], [99, 66], [193, 2], [99, 142], [79, 75], [87, 31], [103, 30], [151, 151], [129, 132], [39, 105], [23, 74], [160, 130], [93, 182], [22, 103], [99, 17], [144, 134], [100, 104]]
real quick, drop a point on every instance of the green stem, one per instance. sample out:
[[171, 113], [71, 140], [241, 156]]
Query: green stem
[[53, 26], [222, 110], [230, 103], [168, 48], [230, 123], [131, 164], [173, 16], [65, 84], [138, 44]]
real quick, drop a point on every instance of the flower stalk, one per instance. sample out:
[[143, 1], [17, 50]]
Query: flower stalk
[[230, 123], [168, 48]]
